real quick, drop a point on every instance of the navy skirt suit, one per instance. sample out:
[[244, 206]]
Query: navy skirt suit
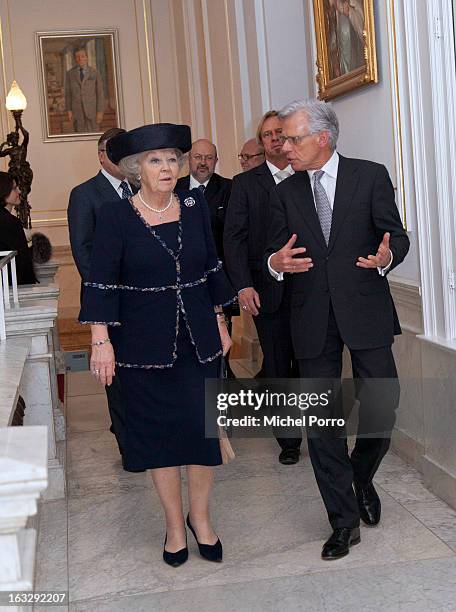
[[157, 287]]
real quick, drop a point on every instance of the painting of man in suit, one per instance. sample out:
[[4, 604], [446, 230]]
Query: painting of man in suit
[[84, 95], [80, 84]]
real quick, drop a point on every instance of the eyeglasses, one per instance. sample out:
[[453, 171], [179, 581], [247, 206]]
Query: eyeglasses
[[101, 150], [246, 157], [199, 158], [295, 140]]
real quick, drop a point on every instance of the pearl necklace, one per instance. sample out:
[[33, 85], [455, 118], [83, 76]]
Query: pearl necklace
[[157, 211]]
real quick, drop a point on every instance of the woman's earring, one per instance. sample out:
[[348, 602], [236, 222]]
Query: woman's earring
[[138, 177]]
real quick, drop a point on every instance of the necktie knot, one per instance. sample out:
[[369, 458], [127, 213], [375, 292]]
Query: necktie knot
[[318, 175], [282, 175], [202, 188], [126, 191]]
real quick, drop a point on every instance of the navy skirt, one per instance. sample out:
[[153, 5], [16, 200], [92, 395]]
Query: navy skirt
[[163, 409]]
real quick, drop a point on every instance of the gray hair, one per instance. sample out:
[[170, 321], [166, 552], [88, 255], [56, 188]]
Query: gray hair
[[130, 166], [321, 117]]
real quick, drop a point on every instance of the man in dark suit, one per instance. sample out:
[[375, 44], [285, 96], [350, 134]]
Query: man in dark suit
[[336, 229], [246, 227], [202, 160], [85, 203]]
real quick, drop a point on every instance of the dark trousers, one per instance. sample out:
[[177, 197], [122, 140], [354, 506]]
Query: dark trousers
[[335, 470], [113, 393], [278, 360]]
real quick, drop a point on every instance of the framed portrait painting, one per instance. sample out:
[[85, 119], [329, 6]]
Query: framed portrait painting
[[80, 83], [345, 40]]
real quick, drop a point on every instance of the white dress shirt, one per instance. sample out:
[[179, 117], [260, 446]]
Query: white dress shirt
[[274, 171], [328, 181], [194, 184], [115, 182]]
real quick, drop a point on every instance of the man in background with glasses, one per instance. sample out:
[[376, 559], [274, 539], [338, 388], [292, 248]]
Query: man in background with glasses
[[251, 155], [246, 230], [202, 160]]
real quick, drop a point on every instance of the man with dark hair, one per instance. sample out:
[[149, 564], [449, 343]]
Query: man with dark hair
[[84, 95], [246, 228], [85, 203]]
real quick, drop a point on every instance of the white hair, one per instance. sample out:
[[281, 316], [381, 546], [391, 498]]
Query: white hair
[[130, 166], [321, 117]]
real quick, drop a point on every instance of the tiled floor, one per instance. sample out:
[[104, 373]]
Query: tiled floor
[[104, 542]]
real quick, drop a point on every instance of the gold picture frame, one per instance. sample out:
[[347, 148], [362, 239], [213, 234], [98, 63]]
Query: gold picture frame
[[346, 50], [79, 74]]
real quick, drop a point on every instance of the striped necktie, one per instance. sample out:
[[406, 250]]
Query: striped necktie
[[126, 191], [324, 210]]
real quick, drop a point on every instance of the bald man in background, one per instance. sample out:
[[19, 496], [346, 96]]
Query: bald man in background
[[202, 160], [251, 155]]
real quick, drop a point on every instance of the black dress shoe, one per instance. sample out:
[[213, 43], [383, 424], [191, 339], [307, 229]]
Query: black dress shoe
[[175, 558], [211, 552], [339, 543], [370, 507], [289, 456]]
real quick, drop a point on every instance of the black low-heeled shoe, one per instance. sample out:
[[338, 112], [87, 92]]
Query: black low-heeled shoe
[[175, 558], [211, 552]]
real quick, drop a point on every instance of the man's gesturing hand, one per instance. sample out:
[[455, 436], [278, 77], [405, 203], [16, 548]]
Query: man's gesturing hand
[[285, 260], [381, 259]]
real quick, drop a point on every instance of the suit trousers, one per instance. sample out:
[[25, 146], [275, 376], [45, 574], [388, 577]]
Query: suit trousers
[[335, 470], [278, 360]]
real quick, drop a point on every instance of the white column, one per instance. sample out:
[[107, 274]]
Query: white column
[[23, 476], [36, 319]]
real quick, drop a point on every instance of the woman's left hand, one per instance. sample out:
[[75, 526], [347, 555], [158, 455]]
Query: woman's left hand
[[225, 339]]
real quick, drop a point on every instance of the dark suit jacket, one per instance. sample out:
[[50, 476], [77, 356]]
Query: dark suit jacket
[[245, 238], [84, 206], [217, 194], [364, 209], [12, 238]]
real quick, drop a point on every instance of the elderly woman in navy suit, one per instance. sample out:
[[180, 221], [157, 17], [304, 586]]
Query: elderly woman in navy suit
[[156, 279]]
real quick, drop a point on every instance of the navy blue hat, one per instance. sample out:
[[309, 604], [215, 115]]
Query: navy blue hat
[[148, 138]]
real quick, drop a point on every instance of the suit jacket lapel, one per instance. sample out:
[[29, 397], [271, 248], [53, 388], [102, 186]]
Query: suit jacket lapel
[[305, 205], [347, 180], [105, 188], [264, 176], [212, 187]]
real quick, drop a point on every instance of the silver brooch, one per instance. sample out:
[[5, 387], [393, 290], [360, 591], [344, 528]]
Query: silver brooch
[[189, 202]]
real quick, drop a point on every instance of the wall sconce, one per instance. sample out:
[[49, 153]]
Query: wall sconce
[[18, 166]]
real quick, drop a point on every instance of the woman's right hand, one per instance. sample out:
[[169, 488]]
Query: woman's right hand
[[102, 363]]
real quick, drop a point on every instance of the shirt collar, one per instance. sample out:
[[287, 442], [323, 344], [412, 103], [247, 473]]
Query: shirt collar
[[273, 169], [330, 168], [115, 182], [194, 184]]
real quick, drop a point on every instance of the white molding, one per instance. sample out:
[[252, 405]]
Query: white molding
[[263, 60], [400, 106], [195, 82], [210, 80], [243, 65], [443, 75], [424, 203]]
